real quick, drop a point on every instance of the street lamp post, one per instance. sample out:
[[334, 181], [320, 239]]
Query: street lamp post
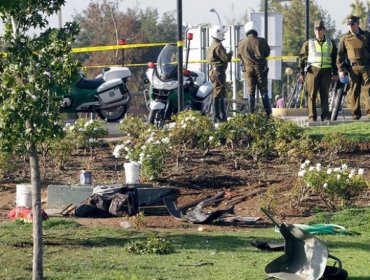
[[218, 16]]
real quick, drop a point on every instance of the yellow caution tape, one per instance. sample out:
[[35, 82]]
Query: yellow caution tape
[[117, 47], [180, 43]]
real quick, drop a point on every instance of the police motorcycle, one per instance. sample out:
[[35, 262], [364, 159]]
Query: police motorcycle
[[162, 93], [106, 95]]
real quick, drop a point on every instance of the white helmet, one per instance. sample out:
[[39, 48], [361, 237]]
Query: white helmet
[[250, 25], [218, 32]]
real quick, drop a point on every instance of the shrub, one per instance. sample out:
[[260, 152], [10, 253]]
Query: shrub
[[146, 145], [332, 183], [291, 141], [248, 135], [7, 164], [152, 245], [192, 131]]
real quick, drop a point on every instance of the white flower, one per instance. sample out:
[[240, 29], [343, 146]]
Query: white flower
[[150, 139], [166, 140], [338, 176], [68, 124], [353, 171], [329, 171], [318, 167], [350, 175], [303, 165], [184, 125], [311, 168], [92, 140], [72, 127], [336, 169], [344, 166], [210, 138], [360, 171], [88, 123], [325, 185], [80, 129], [95, 129], [307, 162], [301, 173], [116, 151]]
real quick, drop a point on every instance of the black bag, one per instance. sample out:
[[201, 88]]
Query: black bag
[[124, 202], [94, 206]]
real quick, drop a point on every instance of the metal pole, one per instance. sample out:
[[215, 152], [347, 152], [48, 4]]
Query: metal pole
[[307, 19], [266, 20], [180, 90]]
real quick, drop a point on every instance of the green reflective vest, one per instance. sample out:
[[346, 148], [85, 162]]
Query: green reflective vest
[[320, 56]]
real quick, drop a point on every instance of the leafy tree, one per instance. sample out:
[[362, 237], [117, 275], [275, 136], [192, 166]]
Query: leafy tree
[[134, 25], [294, 23], [359, 9], [28, 108]]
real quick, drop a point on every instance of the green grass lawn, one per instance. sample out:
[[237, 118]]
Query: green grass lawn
[[355, 131], [77, 252]]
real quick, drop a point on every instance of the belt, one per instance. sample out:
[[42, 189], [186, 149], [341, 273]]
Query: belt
[[218, 68], [358, 63]]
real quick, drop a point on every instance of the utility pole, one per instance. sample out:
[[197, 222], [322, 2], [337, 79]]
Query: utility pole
[[180, 91], [307, 19]]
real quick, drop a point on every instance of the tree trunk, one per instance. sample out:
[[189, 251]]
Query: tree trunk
[[37, 268]]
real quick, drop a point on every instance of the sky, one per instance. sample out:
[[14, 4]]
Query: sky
[[198, 11]]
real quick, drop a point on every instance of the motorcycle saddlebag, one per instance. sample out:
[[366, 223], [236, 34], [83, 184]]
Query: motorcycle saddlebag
[[111, 91]]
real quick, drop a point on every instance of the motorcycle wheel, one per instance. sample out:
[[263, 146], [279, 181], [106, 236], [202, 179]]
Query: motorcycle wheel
[[156, 117], [112, 114]]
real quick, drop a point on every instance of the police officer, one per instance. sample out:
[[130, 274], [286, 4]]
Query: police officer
[[218, 59], [354, 50], [318, 58], [253, 51]]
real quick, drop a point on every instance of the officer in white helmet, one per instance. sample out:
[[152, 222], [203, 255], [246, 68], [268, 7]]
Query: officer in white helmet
[[218, 59], [253, 51]]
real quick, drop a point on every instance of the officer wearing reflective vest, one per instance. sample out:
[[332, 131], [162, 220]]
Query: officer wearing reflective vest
[[354, 61], [218, 59], [253, 51], [318, 61]]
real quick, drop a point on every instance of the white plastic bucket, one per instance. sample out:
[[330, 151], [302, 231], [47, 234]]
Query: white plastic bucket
[[132, 172], [24, 196]]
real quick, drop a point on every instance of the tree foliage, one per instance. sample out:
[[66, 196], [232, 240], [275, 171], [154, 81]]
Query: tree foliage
[[102, 23], [360, 9], [32, 67], [294, 23]]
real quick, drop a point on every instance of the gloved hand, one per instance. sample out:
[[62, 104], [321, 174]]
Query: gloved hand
[[231, 52]]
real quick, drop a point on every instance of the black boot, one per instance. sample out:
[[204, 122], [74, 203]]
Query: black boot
[[223, 110], [267, 105], [216, 109], [252, 103]]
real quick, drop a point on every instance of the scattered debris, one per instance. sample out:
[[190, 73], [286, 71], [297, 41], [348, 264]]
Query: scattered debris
[[25, 214], [197, 264], [305, 257], [195, 214]]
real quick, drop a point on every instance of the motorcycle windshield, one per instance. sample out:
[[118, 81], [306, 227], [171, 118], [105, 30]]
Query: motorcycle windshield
[[167, 63]]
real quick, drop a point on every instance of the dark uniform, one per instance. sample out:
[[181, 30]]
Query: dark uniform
[[218, 59], [253, 51], [318, 57], [355, 48]]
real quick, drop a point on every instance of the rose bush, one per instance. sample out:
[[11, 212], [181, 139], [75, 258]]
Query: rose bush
[[332, 183]]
